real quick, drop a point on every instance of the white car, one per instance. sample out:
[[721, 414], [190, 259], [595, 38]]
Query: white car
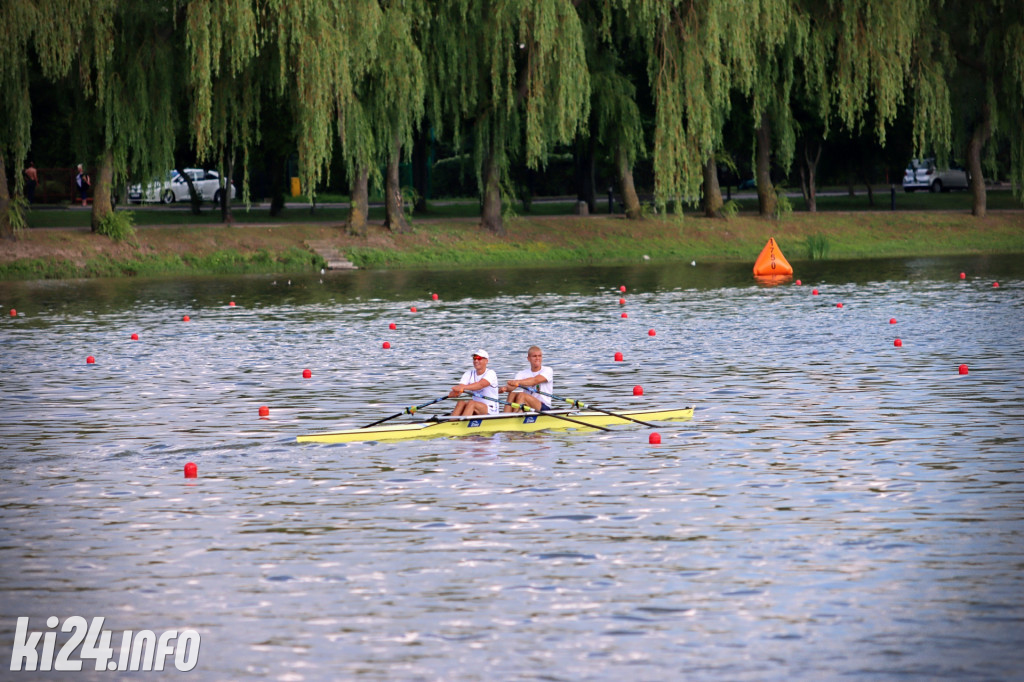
[[924, 174], [174, 188]]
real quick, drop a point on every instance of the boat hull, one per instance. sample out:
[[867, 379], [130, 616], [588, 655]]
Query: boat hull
[[452, 427]]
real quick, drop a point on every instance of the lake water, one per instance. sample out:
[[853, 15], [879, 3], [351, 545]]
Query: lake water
[[837, 508]]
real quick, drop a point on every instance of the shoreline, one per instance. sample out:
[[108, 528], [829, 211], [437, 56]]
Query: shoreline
[[296, 247]]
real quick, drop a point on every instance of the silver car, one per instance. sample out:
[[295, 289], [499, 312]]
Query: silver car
[[924, 174], [174, 188]]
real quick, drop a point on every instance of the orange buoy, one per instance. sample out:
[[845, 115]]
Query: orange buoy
[[771, 261]]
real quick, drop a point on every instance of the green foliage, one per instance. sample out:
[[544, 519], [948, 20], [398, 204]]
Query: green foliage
[[119, 226], [292, 260], [817, 246], [783, 206], [15, 217], [730, 209]]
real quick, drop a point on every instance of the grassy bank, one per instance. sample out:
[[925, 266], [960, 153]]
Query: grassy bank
[[530, 240]]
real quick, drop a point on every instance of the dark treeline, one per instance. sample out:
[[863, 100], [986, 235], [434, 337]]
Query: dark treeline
[[665, 100]]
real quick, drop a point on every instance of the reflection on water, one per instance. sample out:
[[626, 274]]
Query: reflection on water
[[837, 507]]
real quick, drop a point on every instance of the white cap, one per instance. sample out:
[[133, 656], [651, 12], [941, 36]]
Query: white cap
[[482, 353]]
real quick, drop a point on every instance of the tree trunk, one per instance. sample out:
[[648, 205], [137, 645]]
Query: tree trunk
[[712, 190], [193, 196], [394, 214], [421, 167], [766, 199], [276, 164], [491, 215], [6, 228], [981, 134], [808, 182], [586, 189], [626, 188], [101, 206], [226, 216], [359, 206]]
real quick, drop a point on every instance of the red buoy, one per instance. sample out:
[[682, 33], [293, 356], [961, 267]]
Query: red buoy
[[839, 305], [14, 313], [386, 345], [135, 337], [963, 369], [622, 301], [892, 320], [963, 275], [433, 296], [618, 357], [392, 326], [814, 293], [307, 374], [798, 282], [622, 288], [191, 470], [654, 438], [638, 390], [231, 304], [90, 360], [186, 318], [651, 332], [264, 411], [412, 309], [995, 285], [625, 314], [897, 343]]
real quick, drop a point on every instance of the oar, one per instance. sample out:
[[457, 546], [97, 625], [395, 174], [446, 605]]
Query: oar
[[527, 408], [577, 403], [408, 410]]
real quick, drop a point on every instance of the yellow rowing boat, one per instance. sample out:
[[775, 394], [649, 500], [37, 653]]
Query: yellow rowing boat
[[436, 427]]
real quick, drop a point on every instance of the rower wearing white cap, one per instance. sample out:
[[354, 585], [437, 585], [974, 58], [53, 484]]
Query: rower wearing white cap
[[482, 384]]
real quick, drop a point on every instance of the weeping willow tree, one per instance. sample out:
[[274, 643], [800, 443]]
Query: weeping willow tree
[[128, 69], [858, 63], [968, 87], [307, 55], [499, 72], [615, 115], [695, 51], [381, 120], [19, 21], [765, 74], [118, 55]]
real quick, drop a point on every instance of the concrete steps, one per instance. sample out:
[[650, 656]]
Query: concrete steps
[[332, 254]]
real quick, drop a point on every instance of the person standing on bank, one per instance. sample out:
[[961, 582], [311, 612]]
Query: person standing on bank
[[31, 180], [83, 183], [523, 389], [481, 384]]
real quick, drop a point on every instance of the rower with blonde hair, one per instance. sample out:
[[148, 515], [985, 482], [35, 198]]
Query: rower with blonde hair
[[523, 390]]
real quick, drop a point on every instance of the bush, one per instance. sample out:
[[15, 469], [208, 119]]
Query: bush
[[119, 226]]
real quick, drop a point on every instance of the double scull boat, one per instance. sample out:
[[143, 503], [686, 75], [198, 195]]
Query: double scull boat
[[482, 424]]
